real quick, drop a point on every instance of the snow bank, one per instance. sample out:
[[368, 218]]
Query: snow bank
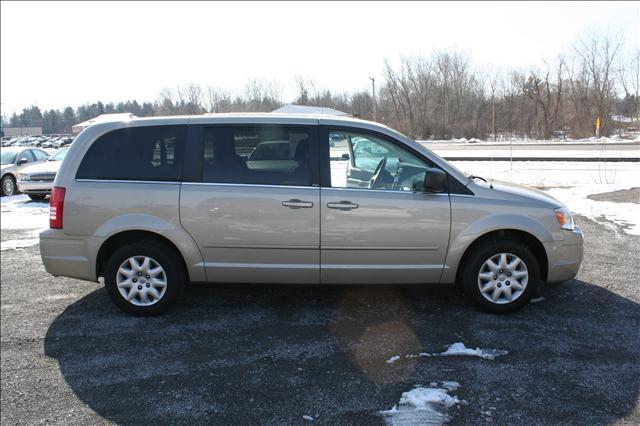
[[18, 244], [459, 349], [423, 406], [19, 212], [625, 215], [507, 141], [555, 174]]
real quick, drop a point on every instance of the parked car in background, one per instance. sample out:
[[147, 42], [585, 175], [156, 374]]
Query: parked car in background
[[14, 159], [152, 203], [36, 180], [63, 141]]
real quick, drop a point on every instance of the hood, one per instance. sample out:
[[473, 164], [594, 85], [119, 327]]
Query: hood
[[511, 189], [44, 167]]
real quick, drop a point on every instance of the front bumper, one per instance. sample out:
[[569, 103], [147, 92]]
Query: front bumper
[[35, 187], [565, 256]]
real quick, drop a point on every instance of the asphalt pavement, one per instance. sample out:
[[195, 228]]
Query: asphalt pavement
[[248, 354]]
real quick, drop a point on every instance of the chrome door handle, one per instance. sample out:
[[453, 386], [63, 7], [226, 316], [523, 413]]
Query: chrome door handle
[[297, 204], [343, 205]]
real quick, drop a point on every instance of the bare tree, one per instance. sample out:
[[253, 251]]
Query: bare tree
[[598, 54]]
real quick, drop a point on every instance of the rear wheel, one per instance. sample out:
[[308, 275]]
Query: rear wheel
[[37, 197], [144, 278], [501, 276], [8, 185]]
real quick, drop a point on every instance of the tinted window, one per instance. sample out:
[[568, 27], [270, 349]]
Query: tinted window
[[257, 155], [136, 153], [360, 160]]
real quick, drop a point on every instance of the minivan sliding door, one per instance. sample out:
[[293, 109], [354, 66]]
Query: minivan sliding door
[[254, 210]]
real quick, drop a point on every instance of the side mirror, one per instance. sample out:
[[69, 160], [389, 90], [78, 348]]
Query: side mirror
[[22, 161], [435, 180], [345, 157]]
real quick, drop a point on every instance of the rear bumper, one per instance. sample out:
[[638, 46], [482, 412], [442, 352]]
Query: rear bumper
[[69, 256], [565, 256], [34, 187]]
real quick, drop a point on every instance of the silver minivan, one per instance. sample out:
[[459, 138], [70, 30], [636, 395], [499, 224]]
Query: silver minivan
[[152, 203]]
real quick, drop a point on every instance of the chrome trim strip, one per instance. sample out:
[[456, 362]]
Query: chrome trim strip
[[248, 247], [259, 265], [379, 267], [378, 248], [163, 182], [248, 185], [313, 266]]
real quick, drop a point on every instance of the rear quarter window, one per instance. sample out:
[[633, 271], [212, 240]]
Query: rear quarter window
[[152, 153]]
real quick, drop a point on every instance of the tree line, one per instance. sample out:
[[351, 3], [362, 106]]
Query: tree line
[[441, 95]]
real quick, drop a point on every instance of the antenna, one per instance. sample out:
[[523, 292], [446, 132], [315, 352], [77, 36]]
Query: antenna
[[491, 171]]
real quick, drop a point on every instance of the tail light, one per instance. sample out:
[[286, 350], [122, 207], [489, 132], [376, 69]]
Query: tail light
[[56, 207]]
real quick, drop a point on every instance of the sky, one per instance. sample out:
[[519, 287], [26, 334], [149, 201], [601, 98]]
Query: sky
[[59, 54]]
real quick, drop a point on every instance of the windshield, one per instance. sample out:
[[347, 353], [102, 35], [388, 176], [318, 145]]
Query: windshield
[[8, 157], [59, 155]]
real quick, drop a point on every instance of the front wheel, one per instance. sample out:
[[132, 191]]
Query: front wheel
[[501, 277], [8, 185], [144, 278]]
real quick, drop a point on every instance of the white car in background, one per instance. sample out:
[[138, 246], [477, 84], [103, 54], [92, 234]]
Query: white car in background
[[14, 159], [37, 180]]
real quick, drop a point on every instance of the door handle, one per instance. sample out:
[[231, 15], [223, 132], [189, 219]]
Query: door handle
[[343, 205], [297, 204]]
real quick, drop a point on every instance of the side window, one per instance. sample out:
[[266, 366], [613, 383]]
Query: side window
[[28, 155], [40, 155], [266, 155], [136, 153], [360, 160]]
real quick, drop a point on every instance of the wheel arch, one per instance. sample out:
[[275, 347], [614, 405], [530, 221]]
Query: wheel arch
[[124, 237], [516, 235]]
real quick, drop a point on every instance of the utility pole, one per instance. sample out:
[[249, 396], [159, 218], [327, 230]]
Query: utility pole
[[373, 91]]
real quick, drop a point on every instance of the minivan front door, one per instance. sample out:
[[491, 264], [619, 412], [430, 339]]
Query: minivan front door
[[379, 227], [255, 211]]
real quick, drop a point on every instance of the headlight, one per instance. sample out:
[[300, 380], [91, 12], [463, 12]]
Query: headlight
[[564, 218], [24, 177]]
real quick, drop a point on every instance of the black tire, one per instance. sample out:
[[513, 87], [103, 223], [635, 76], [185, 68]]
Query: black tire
[[37, 197], [474, 261], [5, 179], [165, 257]]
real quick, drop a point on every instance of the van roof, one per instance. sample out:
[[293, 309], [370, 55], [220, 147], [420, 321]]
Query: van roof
[[215, 117]]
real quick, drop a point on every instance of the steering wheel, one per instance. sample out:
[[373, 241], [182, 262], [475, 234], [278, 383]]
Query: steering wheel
[[376, 179]]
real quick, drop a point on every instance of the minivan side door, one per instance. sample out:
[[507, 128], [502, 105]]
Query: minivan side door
[[378, 225], [250, 198]]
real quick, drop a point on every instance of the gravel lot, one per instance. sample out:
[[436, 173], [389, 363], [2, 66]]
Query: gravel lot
[[241, 354]]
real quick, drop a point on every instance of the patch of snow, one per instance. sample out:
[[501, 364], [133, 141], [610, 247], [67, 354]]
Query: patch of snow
[[450, 385], [625, 215], [18, 244], [459, 349], [19, 212], [537, 300], [393, 359], [554, 173], [421, 406], [307, 418]]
